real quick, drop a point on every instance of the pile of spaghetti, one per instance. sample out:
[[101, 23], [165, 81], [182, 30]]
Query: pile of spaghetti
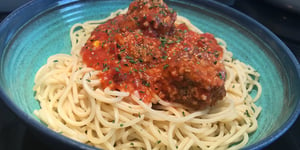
[[86, 101]]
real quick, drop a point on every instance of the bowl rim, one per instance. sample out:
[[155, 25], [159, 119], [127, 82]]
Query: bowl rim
[[229, 12]]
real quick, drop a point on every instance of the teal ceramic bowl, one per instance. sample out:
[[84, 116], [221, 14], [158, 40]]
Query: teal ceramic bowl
[[39, 29]]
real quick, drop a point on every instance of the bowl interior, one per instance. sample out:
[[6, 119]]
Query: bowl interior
[[47, 33]]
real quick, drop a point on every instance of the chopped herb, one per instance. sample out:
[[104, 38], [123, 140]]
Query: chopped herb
[[55, 60], [183, 113], [158, 141], [110, 82], [88, 80], [247, 113], [122, 50], [102, 44], [144, 82], [170, 42], [162, 12], [105, 69], [117, 69], [186, 49], [152, 7], [220, 75], [34, 93], [132, 61], [121, 125], [164, 57], [165, 66], [178, 41], [128, 57], [163, 41], [217, 55], [118, 46], [141, 60]]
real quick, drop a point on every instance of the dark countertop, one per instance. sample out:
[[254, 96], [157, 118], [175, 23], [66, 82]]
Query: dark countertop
[[284, 23]]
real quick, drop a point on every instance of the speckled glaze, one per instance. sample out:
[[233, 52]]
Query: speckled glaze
[[40, 29]]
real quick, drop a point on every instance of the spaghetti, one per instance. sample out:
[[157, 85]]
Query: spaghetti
[[74, 103]]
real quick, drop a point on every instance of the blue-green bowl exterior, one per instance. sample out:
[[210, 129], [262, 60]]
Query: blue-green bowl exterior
[[39, 29]]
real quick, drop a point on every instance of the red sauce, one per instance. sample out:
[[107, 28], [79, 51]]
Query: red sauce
[[144, 51]]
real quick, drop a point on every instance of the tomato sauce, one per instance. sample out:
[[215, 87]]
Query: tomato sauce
[[144, 52]]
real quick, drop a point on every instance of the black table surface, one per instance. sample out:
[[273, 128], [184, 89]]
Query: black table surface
[[284, 23]]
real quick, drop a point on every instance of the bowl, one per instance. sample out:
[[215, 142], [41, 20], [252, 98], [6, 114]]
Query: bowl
[[39, 29]]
